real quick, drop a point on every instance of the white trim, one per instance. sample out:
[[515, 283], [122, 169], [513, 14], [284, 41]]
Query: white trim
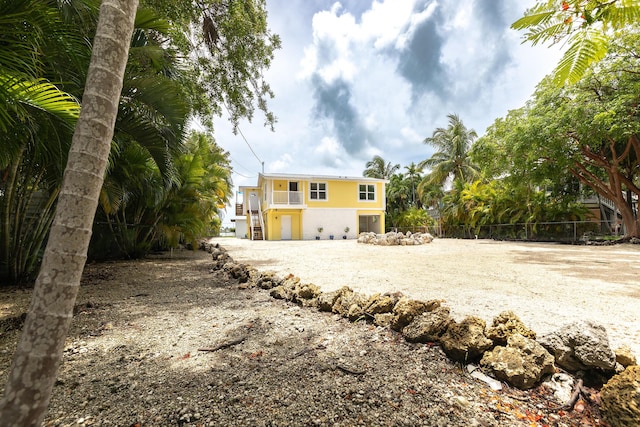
[[375, 193], [319, 177], [326, 191]]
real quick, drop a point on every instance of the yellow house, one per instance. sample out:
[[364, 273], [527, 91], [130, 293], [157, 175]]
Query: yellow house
[[305, 207]]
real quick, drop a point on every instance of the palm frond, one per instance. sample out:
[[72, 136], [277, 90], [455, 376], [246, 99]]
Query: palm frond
[[153, 113], [40, 94], [543, 23], [23, 26], [148, 19]]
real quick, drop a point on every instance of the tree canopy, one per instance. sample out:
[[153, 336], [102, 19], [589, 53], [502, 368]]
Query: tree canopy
[[379, 168], [585, 25], [186, 62], [588, 131]]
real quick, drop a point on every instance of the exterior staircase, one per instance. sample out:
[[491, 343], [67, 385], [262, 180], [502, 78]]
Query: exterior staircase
[[256, 224]]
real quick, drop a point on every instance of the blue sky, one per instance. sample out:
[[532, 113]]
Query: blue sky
[[359, 78]]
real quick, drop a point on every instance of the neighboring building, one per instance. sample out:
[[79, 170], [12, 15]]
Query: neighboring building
[[295, 207], [605, 212]]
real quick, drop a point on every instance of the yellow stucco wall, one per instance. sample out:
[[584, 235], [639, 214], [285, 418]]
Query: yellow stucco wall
[[278, 185], [273, 223], [344, 194], [342, 206]]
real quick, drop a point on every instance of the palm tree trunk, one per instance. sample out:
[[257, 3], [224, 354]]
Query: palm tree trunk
[[39, 351]]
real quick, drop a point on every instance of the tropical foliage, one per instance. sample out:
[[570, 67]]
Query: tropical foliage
[[33, 110], [186, 61], [415, 217], [588, 131], [584, 25], [379, 168], [470, 209], [451, 159], [140, 211], [474, 184]]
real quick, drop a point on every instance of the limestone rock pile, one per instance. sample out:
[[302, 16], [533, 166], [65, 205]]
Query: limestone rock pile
[[393, 238]]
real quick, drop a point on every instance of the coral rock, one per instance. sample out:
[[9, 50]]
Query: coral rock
[[429, 326], [581, 345], [625, 357], [405, 311], [506, 324], [621, 398], [522, 363], [465, 341]]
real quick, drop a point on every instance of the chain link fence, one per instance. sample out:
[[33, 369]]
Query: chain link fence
[[565, 231]]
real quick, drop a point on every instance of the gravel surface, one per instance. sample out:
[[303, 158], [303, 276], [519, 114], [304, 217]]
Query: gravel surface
[[167, 342], [546, 285]]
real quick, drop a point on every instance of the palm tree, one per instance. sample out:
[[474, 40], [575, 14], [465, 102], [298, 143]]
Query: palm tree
[[152, 113], [398, 192], [193, 203], [452, 156], [378, 168], [413, 174], [36, 121], [139, 210], [39, 350], [31, 32]]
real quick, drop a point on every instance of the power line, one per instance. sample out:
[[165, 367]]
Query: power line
[[238, 173], [245, 139], [240, 164], [249, 145]]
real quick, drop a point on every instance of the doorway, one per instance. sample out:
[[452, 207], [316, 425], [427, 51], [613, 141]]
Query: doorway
[[369, 223], [285, 227]]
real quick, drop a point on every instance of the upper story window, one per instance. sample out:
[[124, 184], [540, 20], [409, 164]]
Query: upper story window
[[366, 192], [318, 191]]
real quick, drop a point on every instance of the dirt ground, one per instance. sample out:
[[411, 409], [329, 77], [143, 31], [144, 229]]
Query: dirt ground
[[546, 285], [165, 341]]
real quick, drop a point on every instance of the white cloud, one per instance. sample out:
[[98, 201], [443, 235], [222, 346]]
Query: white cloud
[[357, 79], [413, 22], [330, 153], [283, 164]]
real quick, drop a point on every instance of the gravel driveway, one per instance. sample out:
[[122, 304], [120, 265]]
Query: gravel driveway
[[546, 285]]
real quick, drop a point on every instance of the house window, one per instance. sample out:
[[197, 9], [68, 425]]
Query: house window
[[318, 191], [366, 192]]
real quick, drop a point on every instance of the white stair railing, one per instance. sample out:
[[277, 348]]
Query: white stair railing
[[255, 219], [261, 221]]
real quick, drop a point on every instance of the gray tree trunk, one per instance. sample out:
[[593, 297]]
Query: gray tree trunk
[[39, 352]]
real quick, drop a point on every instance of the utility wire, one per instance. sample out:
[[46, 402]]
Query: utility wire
[[244, 138], [249, 145], [241, 165], [238, 173]]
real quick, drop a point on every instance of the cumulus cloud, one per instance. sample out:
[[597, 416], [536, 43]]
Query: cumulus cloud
[[334, 102], [283, 164], [330, 153], [359, 78]]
